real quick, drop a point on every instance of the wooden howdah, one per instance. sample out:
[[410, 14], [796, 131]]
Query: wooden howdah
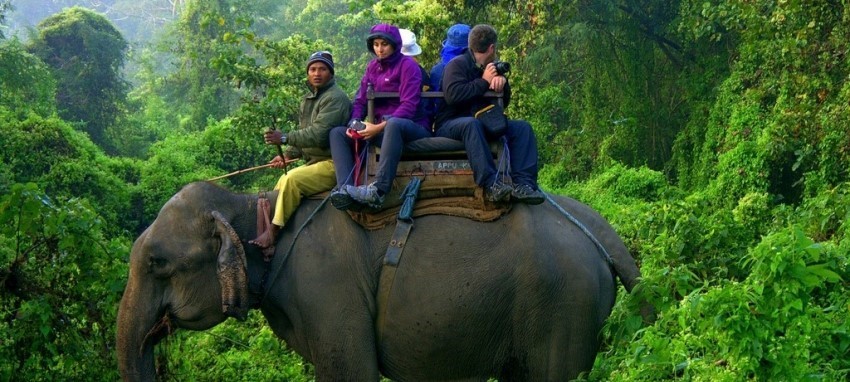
[[444, 173]]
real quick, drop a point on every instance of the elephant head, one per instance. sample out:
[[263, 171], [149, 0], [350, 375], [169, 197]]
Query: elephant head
[[167, 263]]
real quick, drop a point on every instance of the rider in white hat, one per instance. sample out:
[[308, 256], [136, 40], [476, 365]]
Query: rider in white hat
[[409, 47]]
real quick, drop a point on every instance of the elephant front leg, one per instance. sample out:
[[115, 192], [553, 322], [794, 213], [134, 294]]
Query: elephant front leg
[[345, 350]]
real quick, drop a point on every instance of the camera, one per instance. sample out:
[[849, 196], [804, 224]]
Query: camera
[[502, 67], [354, 129], [357, 125]]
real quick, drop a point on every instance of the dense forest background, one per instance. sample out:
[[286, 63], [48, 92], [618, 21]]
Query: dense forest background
[[714, 135]]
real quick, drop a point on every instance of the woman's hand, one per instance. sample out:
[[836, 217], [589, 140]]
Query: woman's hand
[[372, 129]]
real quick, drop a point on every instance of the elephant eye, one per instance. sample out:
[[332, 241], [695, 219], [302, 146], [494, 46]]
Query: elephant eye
[[159, 267], [157, 262]]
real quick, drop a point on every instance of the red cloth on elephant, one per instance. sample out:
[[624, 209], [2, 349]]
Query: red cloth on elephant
[[264, 224]]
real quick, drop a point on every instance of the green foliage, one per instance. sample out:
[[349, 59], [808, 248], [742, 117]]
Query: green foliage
[[785, 100], [232, 148], [173, 163], [184, 158], [234, 351], [627, 185], [194, 87], [666, 229], [148, 119], [25, 81], [551, 118], [85, 53], [771, 325], [622, 80], [61, 278], [66, 164], [742, 293], [831, 151], [767, 154]]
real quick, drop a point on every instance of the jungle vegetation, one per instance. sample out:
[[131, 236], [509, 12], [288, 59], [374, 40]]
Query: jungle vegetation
[[714, 135]]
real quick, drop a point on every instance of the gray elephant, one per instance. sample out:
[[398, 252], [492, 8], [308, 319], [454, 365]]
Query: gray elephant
[[520, 298]]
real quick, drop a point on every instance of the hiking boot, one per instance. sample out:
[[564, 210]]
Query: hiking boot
[[524, 193], [497, 192], [340, 199], [367, 195]]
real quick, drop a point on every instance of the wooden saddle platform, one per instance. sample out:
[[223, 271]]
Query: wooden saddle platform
[[447, 186]]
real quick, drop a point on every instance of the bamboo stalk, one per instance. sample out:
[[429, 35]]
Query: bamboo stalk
[[249, 170]]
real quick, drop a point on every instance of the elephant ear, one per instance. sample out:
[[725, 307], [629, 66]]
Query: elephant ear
[[232, 274]]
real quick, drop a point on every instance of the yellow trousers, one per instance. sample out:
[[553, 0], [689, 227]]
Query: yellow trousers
[[299, 182]]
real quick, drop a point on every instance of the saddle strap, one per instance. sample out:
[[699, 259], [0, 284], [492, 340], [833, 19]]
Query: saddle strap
[[388, 270], [404, 224]]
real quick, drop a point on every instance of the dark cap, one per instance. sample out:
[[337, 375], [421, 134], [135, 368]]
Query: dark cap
[[323, 57]]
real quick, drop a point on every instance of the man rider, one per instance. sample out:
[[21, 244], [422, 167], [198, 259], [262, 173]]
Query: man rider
[[322, 108], [465, 80]]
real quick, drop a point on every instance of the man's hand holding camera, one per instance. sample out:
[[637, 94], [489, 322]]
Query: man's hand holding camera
[[494, 78]]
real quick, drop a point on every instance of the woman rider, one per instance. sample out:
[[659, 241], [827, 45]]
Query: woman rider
[[395, 121]]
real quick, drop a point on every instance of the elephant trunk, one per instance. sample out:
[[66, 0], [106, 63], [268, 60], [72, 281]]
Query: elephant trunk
[[138, 331]]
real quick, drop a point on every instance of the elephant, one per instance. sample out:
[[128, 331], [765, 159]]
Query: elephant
[[520, 298]]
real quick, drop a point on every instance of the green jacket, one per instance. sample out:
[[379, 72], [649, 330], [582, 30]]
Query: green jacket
[[320, 111]]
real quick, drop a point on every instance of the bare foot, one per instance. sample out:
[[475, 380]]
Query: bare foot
[[267, 240], [264, 240]]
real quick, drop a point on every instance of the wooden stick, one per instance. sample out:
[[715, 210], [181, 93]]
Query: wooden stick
[[279, 147], [249, 169]]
